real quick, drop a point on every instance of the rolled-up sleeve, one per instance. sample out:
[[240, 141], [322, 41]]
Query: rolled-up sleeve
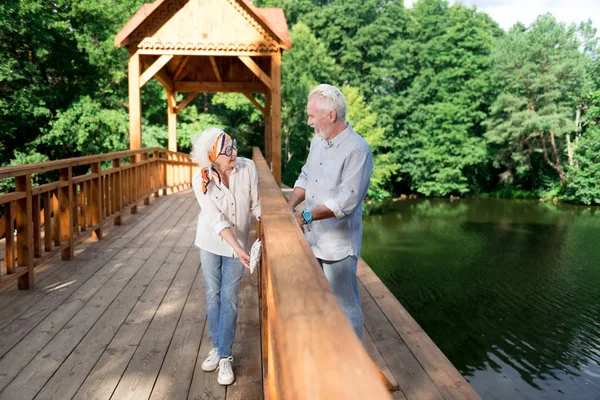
[[254, 195], [213, 216], [354, 183]]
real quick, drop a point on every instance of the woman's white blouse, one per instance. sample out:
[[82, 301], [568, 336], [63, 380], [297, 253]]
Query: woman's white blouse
[[223, 207]]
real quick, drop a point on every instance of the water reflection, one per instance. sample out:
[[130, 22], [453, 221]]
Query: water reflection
[[509, 290]]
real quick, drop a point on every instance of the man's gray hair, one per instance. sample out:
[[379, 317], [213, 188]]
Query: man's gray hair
[[330, 99]]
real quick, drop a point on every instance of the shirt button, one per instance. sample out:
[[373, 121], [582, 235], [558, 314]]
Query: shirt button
[[231, 203], [316, 180]]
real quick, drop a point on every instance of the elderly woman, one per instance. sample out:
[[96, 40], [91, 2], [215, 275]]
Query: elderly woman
[[226, 189]]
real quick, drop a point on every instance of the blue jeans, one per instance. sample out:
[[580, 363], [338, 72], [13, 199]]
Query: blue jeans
[[222, 276], [344, 282]]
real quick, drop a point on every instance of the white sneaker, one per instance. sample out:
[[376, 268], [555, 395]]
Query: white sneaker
[[212, 361], [226, 376]]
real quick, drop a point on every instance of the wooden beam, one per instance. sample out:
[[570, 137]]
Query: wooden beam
[[149, 52], [216, 87], [180, 68], [163, 78], [276, 117], [257, 71], [135, 102], [215, 68], [256, 103], [185, 102], [154, 68]]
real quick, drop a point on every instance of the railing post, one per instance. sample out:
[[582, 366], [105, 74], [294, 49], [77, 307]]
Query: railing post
[[65, 200], [82, 207], [56, 218], [37, 236], [155, 173], [133, 183], [165, 173], [25, 232], [74, 208], [118, 191], [146, 181], [48, 221], [96, 200], [9, 220]]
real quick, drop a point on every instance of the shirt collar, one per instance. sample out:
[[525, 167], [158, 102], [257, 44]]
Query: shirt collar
[[339, 138]]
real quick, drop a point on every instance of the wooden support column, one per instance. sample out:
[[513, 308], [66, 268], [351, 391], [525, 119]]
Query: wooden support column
[[276, 116], [172, 119], [268, 126], [25, 232], [65, 202], [135, 102]]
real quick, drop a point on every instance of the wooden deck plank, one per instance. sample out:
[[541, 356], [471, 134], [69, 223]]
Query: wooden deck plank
[[104, 377], [30, 380], [26, 349], [450, 383], [412, 379], [106, 372], [178, 367], [379, 361], [141, 373], [204, 384], [71, 374], [54, 272], [247, 346]]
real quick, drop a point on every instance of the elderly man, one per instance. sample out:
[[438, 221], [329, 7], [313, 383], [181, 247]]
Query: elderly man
[[333, 183]]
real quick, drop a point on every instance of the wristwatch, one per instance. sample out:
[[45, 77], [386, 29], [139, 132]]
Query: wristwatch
[[307, 217]]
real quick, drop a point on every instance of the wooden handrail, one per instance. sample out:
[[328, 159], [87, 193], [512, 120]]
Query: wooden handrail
[[310, 350], [73, 207]]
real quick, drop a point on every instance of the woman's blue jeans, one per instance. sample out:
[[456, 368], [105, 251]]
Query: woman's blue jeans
[[222, 277], [344, 282]]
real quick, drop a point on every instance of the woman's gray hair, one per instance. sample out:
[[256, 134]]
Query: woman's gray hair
[[202, 145], [330, 99]]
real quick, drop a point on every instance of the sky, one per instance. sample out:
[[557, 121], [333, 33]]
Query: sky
[[507, 12]]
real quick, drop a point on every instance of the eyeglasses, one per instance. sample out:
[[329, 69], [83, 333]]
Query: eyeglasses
[[228, 150]]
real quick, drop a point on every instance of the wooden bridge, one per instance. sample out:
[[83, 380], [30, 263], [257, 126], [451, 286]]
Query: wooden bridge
[[116, 305]]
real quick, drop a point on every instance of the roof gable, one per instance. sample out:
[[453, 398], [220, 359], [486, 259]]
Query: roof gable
[[219, 25]]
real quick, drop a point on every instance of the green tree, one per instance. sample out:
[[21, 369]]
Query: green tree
[[305, 66], [437, 133], [364, 121], [544, 79]]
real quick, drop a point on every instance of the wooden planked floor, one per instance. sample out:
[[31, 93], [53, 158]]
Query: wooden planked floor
[[126, 319]]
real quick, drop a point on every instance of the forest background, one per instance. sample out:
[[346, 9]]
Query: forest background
[[450, 103]]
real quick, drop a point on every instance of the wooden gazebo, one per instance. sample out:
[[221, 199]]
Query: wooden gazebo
[[207, 46]]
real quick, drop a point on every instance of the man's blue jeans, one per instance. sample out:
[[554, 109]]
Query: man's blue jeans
[[344, 282], [222, 276]]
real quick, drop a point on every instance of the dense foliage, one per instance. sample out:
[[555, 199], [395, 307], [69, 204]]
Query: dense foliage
[[450, 103]]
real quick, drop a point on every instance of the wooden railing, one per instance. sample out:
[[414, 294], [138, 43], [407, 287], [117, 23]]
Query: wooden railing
[[309, 348], [83, 194]]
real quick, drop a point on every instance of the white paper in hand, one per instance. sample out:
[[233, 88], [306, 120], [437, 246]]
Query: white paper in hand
[[255, 253]]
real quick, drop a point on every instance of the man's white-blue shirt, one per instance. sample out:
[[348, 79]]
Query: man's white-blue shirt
[[337, 174]]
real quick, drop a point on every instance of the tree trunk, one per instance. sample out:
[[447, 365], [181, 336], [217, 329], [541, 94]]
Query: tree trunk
[[569, 149], [556, 164]]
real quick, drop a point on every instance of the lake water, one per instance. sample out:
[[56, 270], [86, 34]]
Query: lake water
[[508, 290]]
